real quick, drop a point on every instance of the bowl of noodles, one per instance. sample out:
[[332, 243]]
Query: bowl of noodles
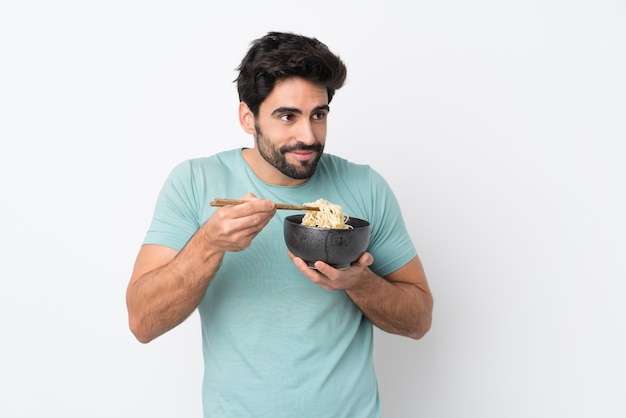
[[327, 235]]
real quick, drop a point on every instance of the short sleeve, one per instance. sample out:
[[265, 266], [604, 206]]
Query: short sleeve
[[390, 244], [175, 218]]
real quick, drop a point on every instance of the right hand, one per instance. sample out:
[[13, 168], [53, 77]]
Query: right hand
[[232, 228]]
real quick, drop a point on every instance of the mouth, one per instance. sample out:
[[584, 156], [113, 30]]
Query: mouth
[[302, 155]]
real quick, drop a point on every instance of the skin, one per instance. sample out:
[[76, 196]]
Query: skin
[[166, 286]]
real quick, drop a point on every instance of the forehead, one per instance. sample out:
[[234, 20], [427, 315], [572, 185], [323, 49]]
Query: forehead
[[296, 93]]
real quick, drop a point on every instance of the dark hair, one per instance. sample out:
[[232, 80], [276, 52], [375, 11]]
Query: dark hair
[[278, 56]]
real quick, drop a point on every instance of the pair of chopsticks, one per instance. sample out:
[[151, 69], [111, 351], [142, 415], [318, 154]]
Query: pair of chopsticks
[[228, 202]]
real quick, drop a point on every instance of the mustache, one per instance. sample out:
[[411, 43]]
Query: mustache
[[299, 146]]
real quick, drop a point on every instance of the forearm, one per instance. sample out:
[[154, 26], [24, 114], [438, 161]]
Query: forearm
[[161, 299], [166, 286], [395, 307]]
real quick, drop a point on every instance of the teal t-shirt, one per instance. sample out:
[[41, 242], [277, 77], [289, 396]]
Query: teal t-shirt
[[275, 344]]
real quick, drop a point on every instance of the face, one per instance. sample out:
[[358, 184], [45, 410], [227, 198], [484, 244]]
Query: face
[[290, 130], [307, 156]]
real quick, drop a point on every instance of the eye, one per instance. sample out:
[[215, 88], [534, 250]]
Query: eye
[[319, 115], [287, 117]]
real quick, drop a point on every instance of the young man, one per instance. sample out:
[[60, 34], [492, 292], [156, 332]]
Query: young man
[[280, 339]]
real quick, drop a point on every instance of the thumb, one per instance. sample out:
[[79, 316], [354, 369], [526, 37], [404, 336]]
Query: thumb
[[366, 259]]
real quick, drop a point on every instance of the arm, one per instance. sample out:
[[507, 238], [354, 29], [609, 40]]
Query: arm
[[166, 286], [400, 303]]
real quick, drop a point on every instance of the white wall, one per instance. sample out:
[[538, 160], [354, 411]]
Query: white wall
[[501, 126]]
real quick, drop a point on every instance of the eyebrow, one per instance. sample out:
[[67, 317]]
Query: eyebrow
[[298, 111]]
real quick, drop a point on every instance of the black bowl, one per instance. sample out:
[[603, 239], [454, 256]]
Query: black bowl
[[337, 247]]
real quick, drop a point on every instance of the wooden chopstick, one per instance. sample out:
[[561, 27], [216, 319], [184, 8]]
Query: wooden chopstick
[[227, 202]]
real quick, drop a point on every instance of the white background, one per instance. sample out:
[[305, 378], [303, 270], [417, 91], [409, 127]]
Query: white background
[[500, 125]]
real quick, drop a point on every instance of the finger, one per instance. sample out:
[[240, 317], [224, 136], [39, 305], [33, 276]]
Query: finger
[[365, 260], [300, 264], [311, 274], [252, 207], [326, 269]]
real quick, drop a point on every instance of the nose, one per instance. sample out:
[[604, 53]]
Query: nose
[[306, 133]]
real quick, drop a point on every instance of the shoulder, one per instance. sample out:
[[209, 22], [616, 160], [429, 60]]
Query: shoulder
[[343, 170], [334, 163], [201, 165]]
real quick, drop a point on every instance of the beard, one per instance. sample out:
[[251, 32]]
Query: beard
[[276, 157]]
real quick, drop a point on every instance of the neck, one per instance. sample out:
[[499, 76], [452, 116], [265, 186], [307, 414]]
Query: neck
[[267, 172]]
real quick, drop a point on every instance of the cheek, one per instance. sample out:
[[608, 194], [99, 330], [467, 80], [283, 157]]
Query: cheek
[[320, 132]]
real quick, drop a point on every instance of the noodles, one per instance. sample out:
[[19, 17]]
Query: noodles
[[329, 215]]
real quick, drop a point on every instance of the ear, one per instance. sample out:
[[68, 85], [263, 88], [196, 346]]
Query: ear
[[246, 119]]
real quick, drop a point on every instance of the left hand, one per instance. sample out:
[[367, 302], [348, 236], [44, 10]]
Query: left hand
[[329, 277]]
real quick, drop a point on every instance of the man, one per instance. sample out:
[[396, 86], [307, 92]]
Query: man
[[280, 339]]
